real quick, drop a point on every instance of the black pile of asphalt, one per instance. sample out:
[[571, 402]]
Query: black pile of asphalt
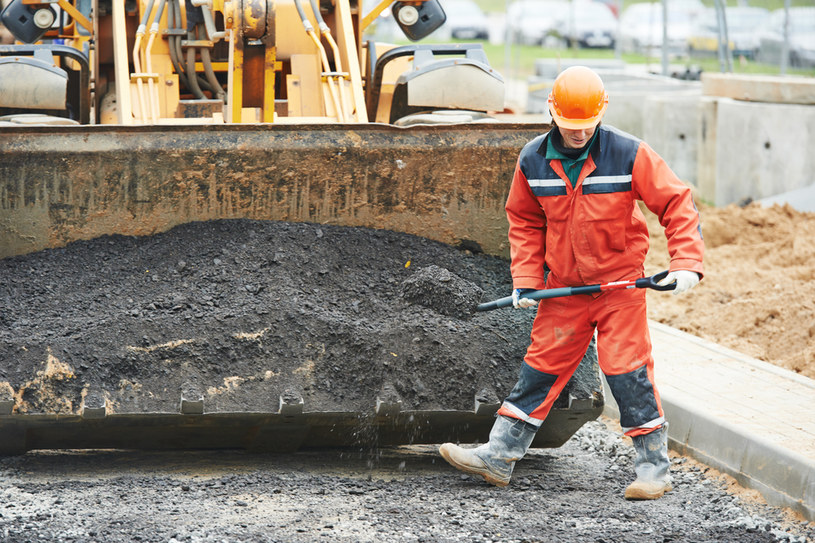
[[248, 311]]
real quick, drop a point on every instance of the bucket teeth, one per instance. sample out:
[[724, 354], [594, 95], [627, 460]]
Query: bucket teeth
[[6, 401], [291, 403], [486, 402], [388, 402], [192, 400], [94, 406], [580, 403]]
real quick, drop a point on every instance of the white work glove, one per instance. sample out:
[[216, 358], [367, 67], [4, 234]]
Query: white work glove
[[684, 279], [518, 300]]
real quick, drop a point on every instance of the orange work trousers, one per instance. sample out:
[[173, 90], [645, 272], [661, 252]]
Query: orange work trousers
[[561, 333]]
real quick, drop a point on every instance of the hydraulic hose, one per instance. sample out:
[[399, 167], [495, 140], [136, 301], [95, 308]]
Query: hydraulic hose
[[137, 67], [319, 16], [192, 76], [303, 18], [324, 59], [215, 85], [148, 62], [339, 75], [174, 24]]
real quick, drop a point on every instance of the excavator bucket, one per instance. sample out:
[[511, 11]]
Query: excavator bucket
[[247, 111], [447, 183]]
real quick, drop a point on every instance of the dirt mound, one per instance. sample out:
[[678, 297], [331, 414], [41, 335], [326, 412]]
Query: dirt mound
[[758, 294], [246, 312]]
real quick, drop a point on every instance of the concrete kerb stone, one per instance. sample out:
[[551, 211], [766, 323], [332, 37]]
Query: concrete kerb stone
[[785, 478]]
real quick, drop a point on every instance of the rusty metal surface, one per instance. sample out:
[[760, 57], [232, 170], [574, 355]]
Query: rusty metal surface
[[448, 183]]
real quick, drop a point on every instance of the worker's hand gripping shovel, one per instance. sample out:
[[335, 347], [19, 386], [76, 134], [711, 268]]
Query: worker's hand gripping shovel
[[644, 282]]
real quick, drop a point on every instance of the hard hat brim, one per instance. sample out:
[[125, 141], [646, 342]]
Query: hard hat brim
[[577, 124]]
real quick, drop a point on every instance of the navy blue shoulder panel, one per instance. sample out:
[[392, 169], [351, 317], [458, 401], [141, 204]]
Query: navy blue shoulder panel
[[614, 154], [617, 150], [614, 158], [533, 155], [542, 179]]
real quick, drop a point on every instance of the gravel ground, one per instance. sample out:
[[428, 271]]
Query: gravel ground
[[405, 494]]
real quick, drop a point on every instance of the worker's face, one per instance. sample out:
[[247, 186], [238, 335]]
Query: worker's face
[[576, 139]]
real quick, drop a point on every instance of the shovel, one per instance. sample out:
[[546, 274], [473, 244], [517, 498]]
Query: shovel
[[644, 282]]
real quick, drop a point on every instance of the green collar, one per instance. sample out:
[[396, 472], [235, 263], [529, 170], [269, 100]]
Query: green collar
[[554, 154]]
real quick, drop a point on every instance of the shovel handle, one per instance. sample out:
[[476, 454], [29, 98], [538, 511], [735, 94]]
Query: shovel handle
[[543, 294], [653, 282]]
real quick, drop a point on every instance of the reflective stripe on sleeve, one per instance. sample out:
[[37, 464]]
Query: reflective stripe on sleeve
[[605, 184], [547, 187]]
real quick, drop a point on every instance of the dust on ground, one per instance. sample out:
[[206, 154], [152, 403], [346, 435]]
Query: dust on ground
[[758, 293]]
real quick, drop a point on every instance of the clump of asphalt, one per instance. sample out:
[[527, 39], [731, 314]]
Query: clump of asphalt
[[245, 312], [443, 291]]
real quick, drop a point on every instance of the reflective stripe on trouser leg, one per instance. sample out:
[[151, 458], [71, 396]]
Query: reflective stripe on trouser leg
[[560, 337], [624, 353]]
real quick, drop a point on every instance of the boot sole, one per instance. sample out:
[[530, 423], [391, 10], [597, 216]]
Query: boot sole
[[471, 470], [642, 494]]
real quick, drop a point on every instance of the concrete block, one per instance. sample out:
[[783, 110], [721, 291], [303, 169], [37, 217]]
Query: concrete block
[[706, 157], [669, 125], [626, 99], [753, 150], [760, 88]]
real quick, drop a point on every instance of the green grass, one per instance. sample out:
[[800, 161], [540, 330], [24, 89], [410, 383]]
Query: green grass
[[499, 6], [518, 62], [522, 58]]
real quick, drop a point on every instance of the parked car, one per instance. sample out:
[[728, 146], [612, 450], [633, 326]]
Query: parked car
[[590, 24], [465, 20], [801, 38], [530, 22], [641, 26], [743, 27]]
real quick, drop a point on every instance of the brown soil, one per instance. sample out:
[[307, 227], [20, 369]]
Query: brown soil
[[758, 293]]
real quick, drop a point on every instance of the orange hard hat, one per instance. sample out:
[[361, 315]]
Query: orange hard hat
[[578, 99]]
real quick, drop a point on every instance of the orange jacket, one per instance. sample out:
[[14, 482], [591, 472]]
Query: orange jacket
[[595, 232]]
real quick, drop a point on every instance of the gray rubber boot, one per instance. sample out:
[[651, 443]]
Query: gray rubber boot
[[651, 465], [494, 461]]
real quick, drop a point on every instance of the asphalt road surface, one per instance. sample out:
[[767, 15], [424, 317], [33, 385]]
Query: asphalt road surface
[[407, 494]]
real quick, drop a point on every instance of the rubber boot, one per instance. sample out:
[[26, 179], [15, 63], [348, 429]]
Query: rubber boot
[[494, 461], [651, 465]]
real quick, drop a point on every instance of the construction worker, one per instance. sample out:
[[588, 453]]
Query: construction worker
[[574, 219]]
